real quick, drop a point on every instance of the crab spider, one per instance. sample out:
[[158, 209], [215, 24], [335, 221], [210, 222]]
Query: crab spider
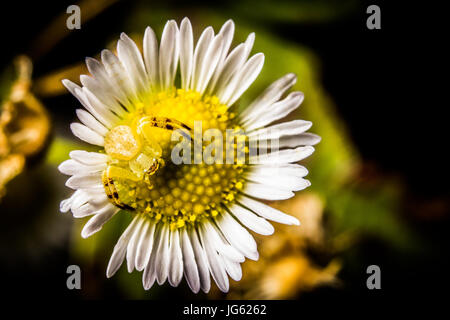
[[135, 156]]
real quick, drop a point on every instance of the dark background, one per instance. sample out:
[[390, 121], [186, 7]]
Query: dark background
[[382, 82]]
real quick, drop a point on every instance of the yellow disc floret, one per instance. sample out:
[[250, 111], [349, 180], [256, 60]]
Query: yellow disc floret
[[141, 176]]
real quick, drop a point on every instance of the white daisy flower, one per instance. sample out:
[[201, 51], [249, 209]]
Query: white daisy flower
[[189, 219]]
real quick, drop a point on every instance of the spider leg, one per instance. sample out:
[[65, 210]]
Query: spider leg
[[110, 188], [166, 123], [153, 168]]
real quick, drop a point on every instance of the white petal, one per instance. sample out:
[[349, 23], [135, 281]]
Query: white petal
[[303, 139], [104, 92], [88, 135], [120, 249], [162, 259], [101, 111], [118, 74], [88, 209], [272, 94], [233, 269], [288, 169], [215, 262], [201, 49], [202, 262], [283, 182], [149, 274], [233, 62], [227, 32], [221, 77], [168, 54], [222, 245], [89, 121], [131, 58], [209, 63], [80, 94], [276, 131], [89, 158], [82, 210], [266, 192], [249, 44], [80, 198], [243, 79], [186, 41], [145, 247], [238, 236], [151, 56], [111, 85], [95, 194], [133, 243], [190, 266], [97, 221], [283, 156], [80, 201], [95, 197], [71, 86], [276, 111], [66, 204], [87, 181], [268, 212], [72, 167], [251, 221], [176, 260]]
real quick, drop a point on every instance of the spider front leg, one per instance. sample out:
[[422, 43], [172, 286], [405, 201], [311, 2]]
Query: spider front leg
[[163, 123], [109, 176]]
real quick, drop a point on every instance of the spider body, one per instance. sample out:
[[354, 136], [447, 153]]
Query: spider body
[[135, 156]]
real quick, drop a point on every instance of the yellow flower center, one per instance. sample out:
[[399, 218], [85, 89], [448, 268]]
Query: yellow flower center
[[141, 175]]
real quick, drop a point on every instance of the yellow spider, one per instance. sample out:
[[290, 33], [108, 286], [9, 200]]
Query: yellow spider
[[134, 154]]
